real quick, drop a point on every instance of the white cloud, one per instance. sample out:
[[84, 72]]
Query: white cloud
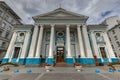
[[95, 9]]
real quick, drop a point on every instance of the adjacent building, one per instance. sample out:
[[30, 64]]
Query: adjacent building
[[60, 36], [114, 36], [113, 25], [111, 21], [7, 20]]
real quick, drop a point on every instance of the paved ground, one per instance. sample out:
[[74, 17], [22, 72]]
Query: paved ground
[[60, 73]]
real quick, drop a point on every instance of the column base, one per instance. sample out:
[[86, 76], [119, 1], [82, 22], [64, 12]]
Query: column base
[[50, 61], [69, 60], [14, 60], [89, 61], [22, 60], [106, 60], [99, 60], [114, 59], [33, 61], [5, 60]]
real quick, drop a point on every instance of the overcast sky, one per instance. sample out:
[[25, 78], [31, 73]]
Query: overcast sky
[[97, 10]]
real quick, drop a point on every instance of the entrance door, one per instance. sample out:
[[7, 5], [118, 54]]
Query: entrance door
[[60, 54], [16, 52], [103, 52]]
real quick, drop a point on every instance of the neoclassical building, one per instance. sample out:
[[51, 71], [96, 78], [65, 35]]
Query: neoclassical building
[[60, 36]]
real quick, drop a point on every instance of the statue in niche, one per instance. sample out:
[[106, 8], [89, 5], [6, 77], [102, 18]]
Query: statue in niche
[[20, 37], [99, 37], [60, 42]]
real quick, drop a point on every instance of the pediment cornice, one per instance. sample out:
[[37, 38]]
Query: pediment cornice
[[60, 14]]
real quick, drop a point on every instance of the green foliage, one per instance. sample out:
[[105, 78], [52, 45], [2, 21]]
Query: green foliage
[[115, 63], [9, 63]]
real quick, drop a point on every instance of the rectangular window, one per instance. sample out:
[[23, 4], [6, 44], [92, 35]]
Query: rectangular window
[[103, 52], [0, 33], [0, 12], [7, 17], [3, 24], [115, 54], [9, 28], [109, 38], [3, 44], [12, 21], [115, 37], [7, 34], [113, 47], [113, 31], [16, 52], [118, 43]]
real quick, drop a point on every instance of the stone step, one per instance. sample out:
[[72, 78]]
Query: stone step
[[63, 64], [43, 64]]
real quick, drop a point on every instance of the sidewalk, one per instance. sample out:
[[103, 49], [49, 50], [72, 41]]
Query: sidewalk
[[59, 73]]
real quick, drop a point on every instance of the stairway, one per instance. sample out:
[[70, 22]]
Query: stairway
[[43, 64], [63, 64]]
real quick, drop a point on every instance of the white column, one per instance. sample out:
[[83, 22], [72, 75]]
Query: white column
[[39, 44], [33, 42], [25, 45], [51, 42], [80, 41], [108, 46], [68, 41], [9, 50], [86, 41], [94, 44]]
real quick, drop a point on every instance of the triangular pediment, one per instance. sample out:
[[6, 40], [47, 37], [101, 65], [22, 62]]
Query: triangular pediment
[[60, 13]]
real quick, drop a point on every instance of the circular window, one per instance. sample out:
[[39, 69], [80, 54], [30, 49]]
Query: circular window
[[60, 34], [98, 34], [21, 34]]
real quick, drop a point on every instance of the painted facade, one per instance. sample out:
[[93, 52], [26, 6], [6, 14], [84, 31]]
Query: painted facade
[[60, 36]]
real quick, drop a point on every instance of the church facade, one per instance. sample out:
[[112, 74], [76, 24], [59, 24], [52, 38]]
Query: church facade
[[60, 36]]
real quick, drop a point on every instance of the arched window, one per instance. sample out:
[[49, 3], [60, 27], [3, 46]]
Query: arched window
[[98, 34], [21, 34]]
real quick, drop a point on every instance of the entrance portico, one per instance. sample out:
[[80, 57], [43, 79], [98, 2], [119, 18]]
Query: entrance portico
[[60, 44]]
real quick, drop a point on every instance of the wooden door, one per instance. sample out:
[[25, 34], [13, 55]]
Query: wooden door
[[60, 54]]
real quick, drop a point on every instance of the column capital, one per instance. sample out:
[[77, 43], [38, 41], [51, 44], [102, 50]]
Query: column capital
[[28, 31], [36, 25], [52, 25], [78, 25], [84, 25], [15, 31], [91, 31], [41, 25], [68, 25]]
